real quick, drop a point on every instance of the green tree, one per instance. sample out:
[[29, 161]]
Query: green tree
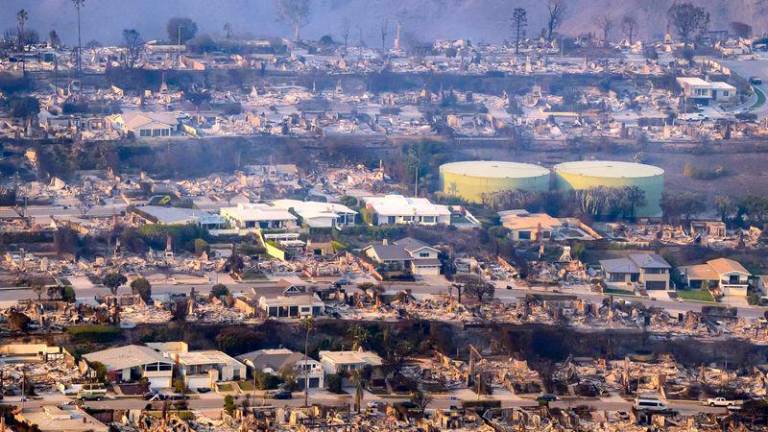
[[359, 335], [229, 404], [219, 291], [113, 281], [68, 294], [142, 288], [333, 382], [201, 246]]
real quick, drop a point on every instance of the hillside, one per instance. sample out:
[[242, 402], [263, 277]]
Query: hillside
[[422, 19]]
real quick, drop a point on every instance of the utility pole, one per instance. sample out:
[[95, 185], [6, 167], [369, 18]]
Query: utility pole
[[79, 60]]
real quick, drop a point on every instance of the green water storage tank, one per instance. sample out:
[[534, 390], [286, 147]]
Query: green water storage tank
[[470, 180], [581, 175]]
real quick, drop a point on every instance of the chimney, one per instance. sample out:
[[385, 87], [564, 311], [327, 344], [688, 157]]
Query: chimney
[[384, 242]]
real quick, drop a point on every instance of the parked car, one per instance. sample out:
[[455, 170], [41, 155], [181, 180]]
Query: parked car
[[280, 394], [546, 397], [754, 80], [721, 402]]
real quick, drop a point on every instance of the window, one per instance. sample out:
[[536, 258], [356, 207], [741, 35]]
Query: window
[[524, 235], [145, 132], [423, 254]]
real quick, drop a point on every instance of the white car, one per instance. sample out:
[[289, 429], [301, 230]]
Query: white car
[[721, 402]]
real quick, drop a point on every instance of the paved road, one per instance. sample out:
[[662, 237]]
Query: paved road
[[441, 401], [750, 68], [9, 297]]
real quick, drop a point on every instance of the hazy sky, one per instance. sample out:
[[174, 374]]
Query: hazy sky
[[477, 20]]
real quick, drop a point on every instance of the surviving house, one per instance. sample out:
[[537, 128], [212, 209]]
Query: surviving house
[[147, 125], [391, 257], [704, 92], [202, 369], [293, 303], [276, 360], [258, 216], [397, 210], [335, 362], [643, 270], [131, 363], [424, 258], [319, 214], [161, 215], [728, 275]]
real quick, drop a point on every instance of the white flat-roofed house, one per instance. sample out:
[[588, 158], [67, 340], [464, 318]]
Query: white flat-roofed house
[[398, 210], [294, 305], [335, 362], [202, 369], [177, 216], [702, 92], [64, 418], [723, 92], [320, 214], [131, 363], [695, 89], [258, 216]]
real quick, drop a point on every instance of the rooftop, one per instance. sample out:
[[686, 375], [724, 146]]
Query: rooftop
[[125, 357], [608, 169], [400, 205], [351, 357], [495, 169]]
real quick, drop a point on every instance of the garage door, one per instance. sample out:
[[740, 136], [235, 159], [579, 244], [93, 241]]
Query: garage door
[[655, 285], [314, 382]]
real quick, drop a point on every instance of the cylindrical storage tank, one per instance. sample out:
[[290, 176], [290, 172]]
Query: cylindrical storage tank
[[470, 180], [581, 175]]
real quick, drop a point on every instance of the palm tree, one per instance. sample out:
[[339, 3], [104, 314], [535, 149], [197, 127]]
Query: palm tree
[[22, 17], [359, 336], [79, 4], [357, 380], [308, 324]]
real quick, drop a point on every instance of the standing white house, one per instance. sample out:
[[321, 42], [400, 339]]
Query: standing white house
[[258, 216], [336, 362], [319, 214], [131, 363], [399, 210], [201, 369]]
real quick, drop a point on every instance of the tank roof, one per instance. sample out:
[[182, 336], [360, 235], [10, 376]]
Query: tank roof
[[609, 169], [495, 169]]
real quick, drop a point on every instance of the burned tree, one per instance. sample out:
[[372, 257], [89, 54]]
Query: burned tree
[[134, 46], [519, 23], [688, 20], [295, 13], [605, 24], [556, 10], [629, 27]]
